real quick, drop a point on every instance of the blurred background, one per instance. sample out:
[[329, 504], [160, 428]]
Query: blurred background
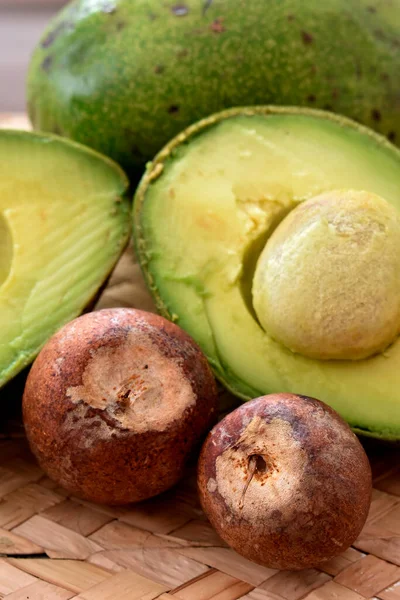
[[21, 25]]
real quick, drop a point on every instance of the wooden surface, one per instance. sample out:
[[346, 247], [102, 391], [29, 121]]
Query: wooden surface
[[53, 546]]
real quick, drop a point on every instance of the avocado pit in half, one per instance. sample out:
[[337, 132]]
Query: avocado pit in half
[[215, 214], [327, 284]]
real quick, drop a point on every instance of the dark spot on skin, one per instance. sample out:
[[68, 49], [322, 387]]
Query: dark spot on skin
[[392, 136], [376, 115], [206, 6], [46, 63], [159, 69], [53, 35], [217, 26], [383, 36], [180, 10], [146, 367], [173, 109], [380, 34], [311, 98], [307, 38]]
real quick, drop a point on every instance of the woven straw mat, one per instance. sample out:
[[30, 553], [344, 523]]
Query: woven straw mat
[[53, 546]]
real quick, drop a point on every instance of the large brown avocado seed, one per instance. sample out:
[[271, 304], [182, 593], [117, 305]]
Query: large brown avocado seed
[[285, 482], [116, 402]]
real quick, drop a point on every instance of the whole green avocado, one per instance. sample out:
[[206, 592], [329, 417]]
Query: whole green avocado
[[125, 76]]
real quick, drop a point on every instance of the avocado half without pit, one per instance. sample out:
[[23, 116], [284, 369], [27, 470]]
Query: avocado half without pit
[[64, 221], [272, 235]]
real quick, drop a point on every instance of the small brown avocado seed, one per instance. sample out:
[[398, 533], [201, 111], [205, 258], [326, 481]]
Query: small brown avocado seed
[[116, 402], [285, 482]]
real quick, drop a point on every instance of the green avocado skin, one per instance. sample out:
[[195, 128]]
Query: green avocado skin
[[125, 76]]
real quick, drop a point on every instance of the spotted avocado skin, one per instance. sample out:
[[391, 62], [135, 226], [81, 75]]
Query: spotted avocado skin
[[125, 76]]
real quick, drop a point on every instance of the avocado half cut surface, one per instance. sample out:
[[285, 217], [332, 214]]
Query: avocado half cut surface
[[206, 208], [64, 221]]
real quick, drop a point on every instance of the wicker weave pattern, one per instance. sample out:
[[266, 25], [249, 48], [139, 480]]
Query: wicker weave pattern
[[53, 546]]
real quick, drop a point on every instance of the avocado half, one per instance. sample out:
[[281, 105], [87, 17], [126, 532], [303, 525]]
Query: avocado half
[[64, 222], [203, 213], [125, 76]]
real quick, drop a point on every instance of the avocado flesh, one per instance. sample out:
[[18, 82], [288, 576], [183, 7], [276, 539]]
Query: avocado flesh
[[64, 222], [204, 211]]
